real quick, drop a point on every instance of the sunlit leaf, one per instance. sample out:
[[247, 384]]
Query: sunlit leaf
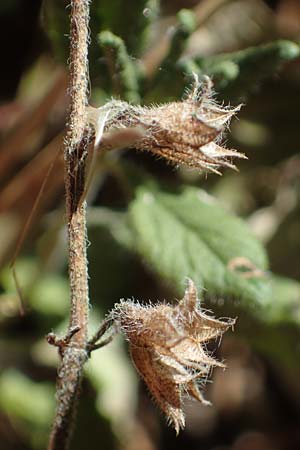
[[188, 234]]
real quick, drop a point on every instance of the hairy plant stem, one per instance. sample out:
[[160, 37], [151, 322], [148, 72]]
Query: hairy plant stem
[[73, 348]]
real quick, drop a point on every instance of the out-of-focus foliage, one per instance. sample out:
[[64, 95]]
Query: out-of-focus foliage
[[30, 404], [150, 226]]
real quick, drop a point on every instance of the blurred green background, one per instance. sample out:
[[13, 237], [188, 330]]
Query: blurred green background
[[145, 51]]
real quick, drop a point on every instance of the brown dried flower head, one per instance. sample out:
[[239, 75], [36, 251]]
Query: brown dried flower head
[[167, 346], [186, 133]]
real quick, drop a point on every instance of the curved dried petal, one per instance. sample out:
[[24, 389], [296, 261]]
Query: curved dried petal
[[166, 393], [193, 391]]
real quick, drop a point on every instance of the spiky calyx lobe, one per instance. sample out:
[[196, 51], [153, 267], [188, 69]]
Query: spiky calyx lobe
[[186, 133], [167, 346]]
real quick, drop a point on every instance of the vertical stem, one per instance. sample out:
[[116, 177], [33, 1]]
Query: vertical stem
[[74, 354]]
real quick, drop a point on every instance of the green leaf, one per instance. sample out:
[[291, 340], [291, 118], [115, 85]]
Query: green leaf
[[123, 70], [161, 87], [284, 303], [189, 234], [237, 74]]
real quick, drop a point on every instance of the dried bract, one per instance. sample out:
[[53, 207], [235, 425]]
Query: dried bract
[[185, 133], [167, 346]]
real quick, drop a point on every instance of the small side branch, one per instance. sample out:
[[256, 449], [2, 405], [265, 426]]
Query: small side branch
[[96, 341]]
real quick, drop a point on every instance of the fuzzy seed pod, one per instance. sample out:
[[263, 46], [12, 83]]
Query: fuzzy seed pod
[[167, 346], [185, 133]]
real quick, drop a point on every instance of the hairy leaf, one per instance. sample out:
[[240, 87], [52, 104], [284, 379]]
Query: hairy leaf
[[190, 235], [284, 303]]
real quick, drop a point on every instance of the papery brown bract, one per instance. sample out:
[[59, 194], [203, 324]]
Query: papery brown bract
[[185, 133], [167, 346]]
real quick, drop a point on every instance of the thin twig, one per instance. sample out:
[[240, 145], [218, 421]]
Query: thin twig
[[105, 325], [95, 342], [74, 352]]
